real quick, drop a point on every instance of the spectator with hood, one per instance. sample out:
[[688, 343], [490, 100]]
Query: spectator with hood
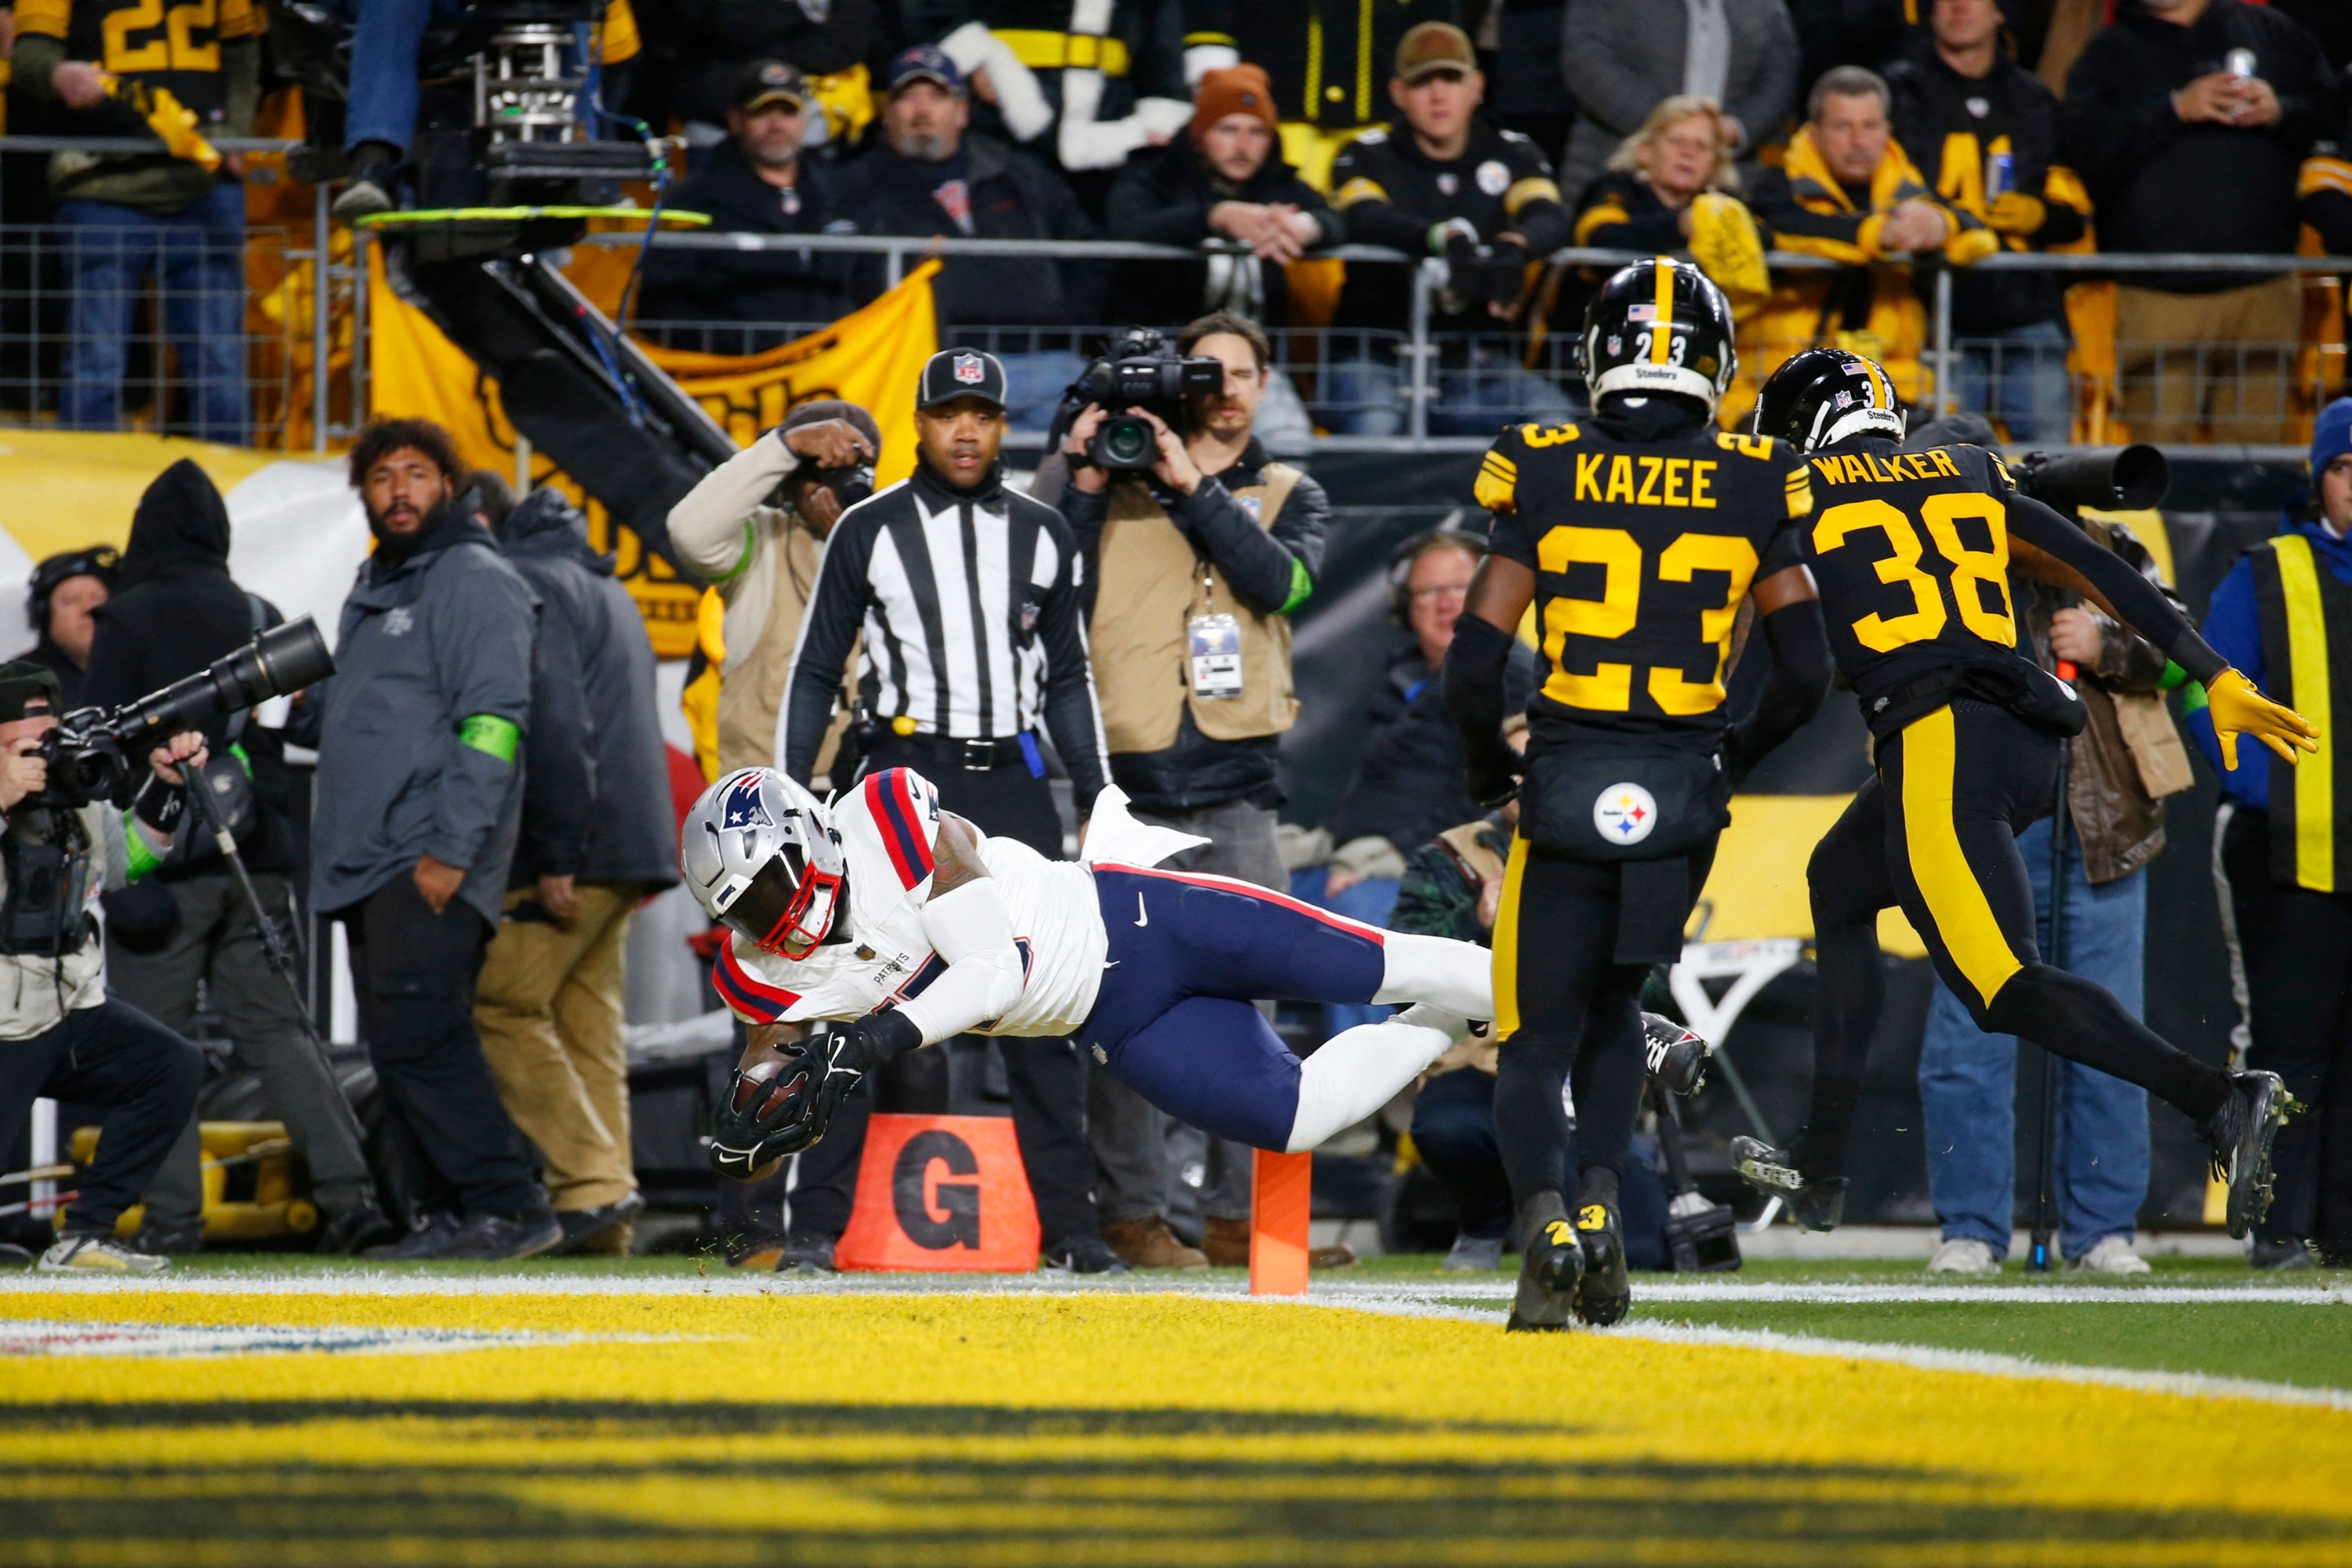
[[598, 836], [189, 927], [67, 590]]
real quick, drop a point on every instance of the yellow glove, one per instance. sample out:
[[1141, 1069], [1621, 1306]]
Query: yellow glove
[[1727, 248], [2239, 708], [2014, 212]]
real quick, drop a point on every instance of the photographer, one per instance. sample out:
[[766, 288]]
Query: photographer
[[60, 1035], [419, 805], [190, 927], [1210, 550]]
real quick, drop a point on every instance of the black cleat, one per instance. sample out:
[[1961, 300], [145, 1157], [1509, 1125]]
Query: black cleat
[[1605, 1293], [1815, 1206], [1819, 1205], [1552, 1268], [2241, 1133], [2286, 1257], [1773, 1172], [1080, 1254], [1674, 1055]]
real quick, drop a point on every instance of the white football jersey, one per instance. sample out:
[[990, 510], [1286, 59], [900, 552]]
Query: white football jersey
[[889, 824]]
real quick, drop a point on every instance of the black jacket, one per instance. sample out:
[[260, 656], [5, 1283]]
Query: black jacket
[[1163, 198], [596, 801], [1392, 192], [54, 660], [1948, 123], [1323, 69], [173, 611], [1011, 196], [2159, 185], [805, 286], [1271, 569], [1412, 777]]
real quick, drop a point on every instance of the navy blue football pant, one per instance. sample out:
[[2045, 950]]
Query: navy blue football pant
[[1176, 1018]]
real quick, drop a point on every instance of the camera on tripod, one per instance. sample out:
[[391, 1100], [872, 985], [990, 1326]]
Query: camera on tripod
[[97, 753], [1142, 373]]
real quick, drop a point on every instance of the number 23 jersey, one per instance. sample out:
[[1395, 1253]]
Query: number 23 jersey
[[1643, 552]]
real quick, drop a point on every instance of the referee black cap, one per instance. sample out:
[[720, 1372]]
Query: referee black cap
[[962, 373]]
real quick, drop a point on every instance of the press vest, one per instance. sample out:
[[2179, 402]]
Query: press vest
[[2306, 624], [1153, 584]]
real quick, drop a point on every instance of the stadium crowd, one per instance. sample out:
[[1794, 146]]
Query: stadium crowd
[[486, 874]]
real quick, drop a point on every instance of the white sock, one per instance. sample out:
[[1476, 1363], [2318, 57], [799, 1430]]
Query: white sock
[[1457, 976], [1360, 1069]]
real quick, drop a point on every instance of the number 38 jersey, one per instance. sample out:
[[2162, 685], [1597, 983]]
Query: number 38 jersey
[[1910, 551], [1641, 550]]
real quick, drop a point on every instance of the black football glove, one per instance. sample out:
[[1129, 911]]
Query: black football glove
[[783, 1107]]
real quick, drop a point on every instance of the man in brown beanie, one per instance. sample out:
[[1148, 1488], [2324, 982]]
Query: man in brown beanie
[[1226, 183]]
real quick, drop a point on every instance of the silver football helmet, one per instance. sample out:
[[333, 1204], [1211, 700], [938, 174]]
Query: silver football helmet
[[764, 859]]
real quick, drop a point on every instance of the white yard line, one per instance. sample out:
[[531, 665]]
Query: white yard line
[[1337, 1292]]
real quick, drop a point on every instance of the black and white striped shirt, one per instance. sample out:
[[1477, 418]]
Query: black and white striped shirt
[[968, 601]]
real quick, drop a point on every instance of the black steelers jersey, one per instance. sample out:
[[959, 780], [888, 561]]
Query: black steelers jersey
[[1910, 551], [1642, 552], [178, 48]]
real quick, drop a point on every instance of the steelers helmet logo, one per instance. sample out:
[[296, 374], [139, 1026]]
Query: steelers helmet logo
[[1625, 814]]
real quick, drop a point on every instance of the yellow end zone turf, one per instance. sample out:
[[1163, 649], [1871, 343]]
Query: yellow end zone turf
[[1105, 1429]]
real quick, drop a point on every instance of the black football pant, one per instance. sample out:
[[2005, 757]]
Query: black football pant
[[1566, 1012], [2298, 948], [415, 972], [1046, 1077], [114, 1055], [1934, 833]]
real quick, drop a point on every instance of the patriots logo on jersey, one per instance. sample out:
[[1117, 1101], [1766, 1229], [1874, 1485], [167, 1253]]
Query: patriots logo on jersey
[[743, 807]]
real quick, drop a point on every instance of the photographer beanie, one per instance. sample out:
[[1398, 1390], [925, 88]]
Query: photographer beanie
[[21, 681]]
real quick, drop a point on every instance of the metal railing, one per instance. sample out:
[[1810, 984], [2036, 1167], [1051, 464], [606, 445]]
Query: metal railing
[[1370, 389], [2244, 391]]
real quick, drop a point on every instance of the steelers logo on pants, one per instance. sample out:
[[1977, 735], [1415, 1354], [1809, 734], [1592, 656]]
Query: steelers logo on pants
[[1624, 814]]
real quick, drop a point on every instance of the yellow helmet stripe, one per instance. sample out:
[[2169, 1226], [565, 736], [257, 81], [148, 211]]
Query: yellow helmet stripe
[[1661, 328]]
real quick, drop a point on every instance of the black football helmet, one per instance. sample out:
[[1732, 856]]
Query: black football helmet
[[1825, 394], [1659, 326]]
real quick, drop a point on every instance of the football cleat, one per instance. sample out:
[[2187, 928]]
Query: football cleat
[[1675, 1056], [1550, 1269], [1605, 1294], [1773, 1172], [1814, 1204], [2242, 1132]]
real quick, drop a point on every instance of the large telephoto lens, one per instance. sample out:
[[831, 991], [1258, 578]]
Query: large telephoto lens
[[280, 660]]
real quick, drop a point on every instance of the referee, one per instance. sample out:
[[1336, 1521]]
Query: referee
[[967, 594]]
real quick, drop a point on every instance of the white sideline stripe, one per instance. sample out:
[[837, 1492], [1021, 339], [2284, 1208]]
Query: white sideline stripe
[[1857, 1294], [1924, 1358], [377, 1282]]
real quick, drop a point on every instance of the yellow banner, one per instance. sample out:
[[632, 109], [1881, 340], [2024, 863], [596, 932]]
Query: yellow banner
[[872, 357]]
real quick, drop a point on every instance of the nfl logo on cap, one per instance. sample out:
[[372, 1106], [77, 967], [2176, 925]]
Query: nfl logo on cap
[[968, 370]]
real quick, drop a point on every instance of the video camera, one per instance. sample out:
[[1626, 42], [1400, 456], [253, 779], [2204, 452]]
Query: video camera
[[1143, 372], [2111, 478], [96, 753]]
